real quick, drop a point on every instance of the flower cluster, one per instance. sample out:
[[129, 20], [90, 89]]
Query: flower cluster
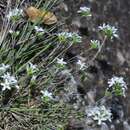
[[99, 114], [81, 65], [3, 68], [32, 72], [69, 37], [109, 31], [47, 95], [61, 62], [14, 33], [31, 69], [39, 30], [15, 14], [7, 80], [84, 11], [95, 44], [117, 86]]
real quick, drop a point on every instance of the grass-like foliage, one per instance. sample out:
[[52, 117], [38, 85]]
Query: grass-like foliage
[[28, 53]]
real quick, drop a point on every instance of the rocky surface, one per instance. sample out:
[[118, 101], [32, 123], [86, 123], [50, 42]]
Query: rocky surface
[[114, 58]]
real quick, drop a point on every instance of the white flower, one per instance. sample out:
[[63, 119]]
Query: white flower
[[11, 31], [14, 13], [33, 79], [69, 37], [61, 61], [14, 33], [76, 38], [95, 44], [66, 72], [99, 114], [39, 29], [81, 64], [109, 31], [117, 84], [6, 85], [47, 94], [9, 81], [114, 80], [85, 11], [3, 68], [17, 86], [65, 34], [31, 68]]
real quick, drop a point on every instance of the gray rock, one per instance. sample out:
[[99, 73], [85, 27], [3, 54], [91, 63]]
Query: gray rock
[[126, 125]]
